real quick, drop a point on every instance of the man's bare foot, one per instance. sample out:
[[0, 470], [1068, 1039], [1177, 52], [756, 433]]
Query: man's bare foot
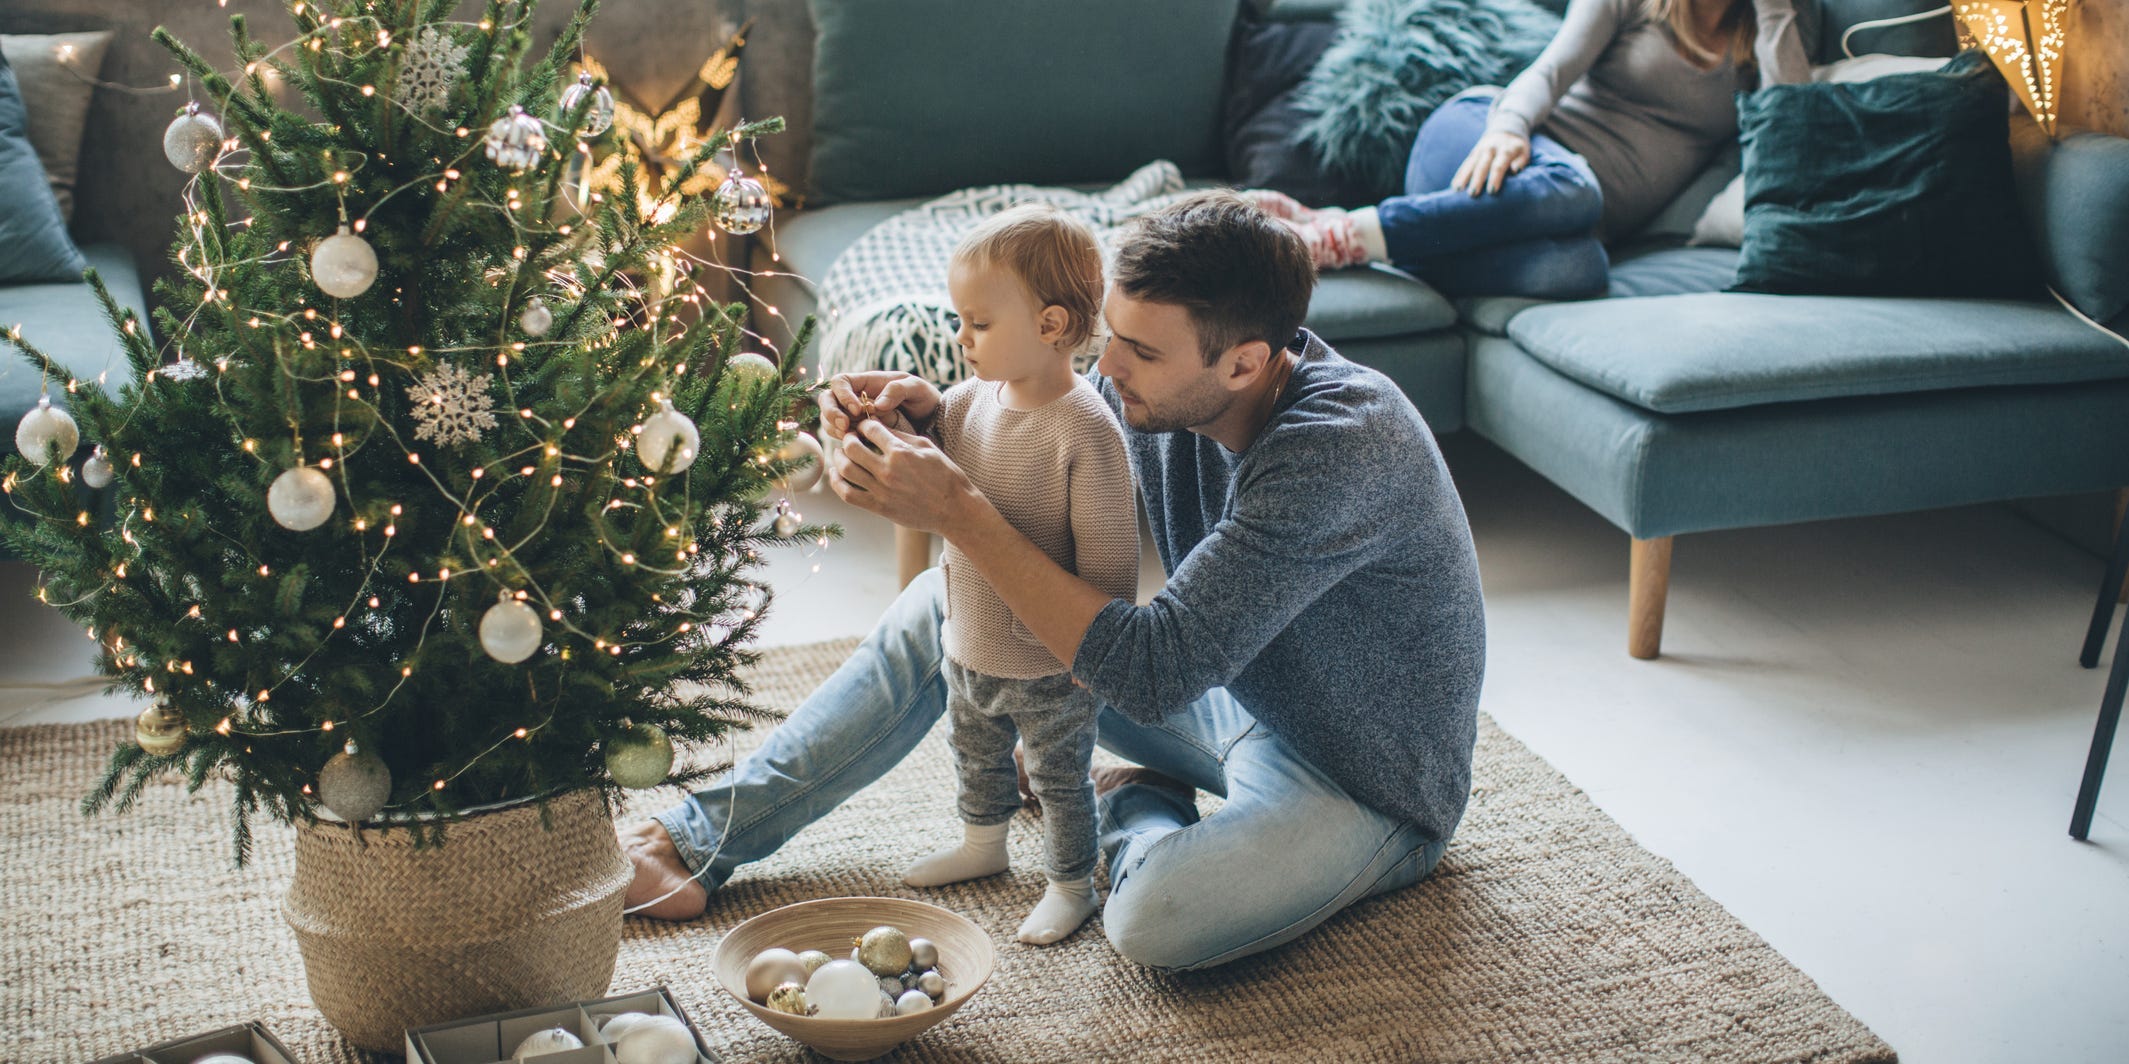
[[659, 871], [1109, 777]]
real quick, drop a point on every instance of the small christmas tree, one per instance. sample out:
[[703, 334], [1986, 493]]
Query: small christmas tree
[[451, 494]]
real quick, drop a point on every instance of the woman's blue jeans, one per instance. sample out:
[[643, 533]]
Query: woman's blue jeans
[[1535, 237], [1289, 849]]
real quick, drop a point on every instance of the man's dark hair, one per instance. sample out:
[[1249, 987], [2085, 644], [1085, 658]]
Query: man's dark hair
[[1240, 273]]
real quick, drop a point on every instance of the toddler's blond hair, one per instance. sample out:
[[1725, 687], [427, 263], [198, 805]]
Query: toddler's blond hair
[[1054, 255]]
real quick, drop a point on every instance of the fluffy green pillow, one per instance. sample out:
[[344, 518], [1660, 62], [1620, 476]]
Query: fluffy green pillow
[[920, 97], [1895, 187], [34, 245]]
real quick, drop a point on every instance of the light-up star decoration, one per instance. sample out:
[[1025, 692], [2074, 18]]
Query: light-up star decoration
[[2024, 38]]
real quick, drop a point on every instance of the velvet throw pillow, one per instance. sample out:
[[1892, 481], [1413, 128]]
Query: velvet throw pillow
[[1263, 113], [1895, 187], [1394, 62], [34, 245]]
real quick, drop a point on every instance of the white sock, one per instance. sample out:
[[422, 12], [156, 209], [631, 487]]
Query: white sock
[[981, 853], [1370, 227], [1065, 905]]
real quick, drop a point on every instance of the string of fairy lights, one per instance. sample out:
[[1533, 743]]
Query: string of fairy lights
[[676, 298]]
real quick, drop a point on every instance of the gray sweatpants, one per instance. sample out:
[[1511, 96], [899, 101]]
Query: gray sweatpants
[[1054, 719]]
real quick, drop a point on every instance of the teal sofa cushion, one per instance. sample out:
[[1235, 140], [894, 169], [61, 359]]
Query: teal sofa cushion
[[920, 97], [2076, 195], [1720, 350], [1900, 186], [1660, 271], [64, 320], [34, 245]]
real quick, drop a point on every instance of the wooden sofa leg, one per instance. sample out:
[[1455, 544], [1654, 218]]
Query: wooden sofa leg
[[912, 552], [1648, 583]]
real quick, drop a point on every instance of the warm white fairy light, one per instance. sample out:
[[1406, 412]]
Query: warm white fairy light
[[2024, 38]]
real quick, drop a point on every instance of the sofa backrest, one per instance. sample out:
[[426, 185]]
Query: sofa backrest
[[889, 98]]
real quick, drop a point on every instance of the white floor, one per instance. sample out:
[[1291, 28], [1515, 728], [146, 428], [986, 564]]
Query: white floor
[[1863, 739]]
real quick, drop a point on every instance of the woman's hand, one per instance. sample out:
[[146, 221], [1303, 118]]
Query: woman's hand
[[898, 399], [1496, 155]]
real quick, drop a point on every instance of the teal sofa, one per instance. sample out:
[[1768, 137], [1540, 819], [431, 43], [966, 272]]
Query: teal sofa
[[1670, 407]]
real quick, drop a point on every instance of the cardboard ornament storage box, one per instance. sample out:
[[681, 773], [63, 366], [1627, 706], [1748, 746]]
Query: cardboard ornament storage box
[[250, 1040], [491, 1039]]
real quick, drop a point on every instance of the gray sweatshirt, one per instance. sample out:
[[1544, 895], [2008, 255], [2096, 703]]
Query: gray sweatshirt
[[1613, 88], [1325, 577]]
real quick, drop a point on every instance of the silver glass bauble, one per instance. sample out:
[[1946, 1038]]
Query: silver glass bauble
[[160, 730], [535, 319], [192, 140], [923, 954], [343, 265], [787, 524], [355, 784], [516, 141], [300, 499], [641, 756], [668, 441], [510, 631], [912, 1001], [740, 205], [96, 470], [44, 427], [601, 115]]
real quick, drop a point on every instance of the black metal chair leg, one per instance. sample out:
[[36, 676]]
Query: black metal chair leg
[[2110, 714], [2110, 592]]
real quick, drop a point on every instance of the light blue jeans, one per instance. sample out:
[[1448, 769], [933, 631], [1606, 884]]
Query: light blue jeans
[[1289, 849]]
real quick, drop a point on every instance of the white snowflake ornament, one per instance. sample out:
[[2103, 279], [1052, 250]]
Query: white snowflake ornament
[[432, 68], [451, 406], [184, 369]]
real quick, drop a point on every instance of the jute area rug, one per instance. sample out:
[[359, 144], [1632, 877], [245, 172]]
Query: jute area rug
[[1546, 934]]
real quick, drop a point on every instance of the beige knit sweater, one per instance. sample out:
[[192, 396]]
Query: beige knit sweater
[[1059, 474]]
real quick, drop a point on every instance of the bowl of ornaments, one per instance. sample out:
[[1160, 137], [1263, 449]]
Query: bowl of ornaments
[[854, 977]]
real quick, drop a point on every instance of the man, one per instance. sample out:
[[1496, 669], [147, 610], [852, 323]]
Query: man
[[1315, 657]]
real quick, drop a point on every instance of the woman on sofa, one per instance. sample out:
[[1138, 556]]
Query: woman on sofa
[[1513, 191]]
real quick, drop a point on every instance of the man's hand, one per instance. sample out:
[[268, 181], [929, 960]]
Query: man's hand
[[1496, 156], [901, 400], [902, 477]]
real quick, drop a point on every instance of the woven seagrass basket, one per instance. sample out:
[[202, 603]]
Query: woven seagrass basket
[[506, 914]]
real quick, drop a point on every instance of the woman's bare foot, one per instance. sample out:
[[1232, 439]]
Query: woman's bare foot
[[659, 871]]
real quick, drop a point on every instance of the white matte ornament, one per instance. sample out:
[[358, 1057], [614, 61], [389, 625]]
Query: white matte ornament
[[772, 968], [343, 265], [844, 990], [222, 1058], [747, 368], [510, 630], [669, 436], [601, 115], [802, 447], [44, 426], [192, 140], [515, 141], [740, 205], [642, 757], [535, 319], [96, 470], [651, 1040], [786, 525], [354, 785], [551, 1040], [300, 499]]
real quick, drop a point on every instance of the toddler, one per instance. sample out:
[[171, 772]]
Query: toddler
[[1038, 440]]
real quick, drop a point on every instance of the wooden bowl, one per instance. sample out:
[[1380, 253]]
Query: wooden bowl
[[966, 958]]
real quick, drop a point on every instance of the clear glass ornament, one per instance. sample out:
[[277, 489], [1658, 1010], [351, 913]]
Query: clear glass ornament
[[44, 427], [192, 140], [535, 318], [668, 441], [802, 447], [343, 265], [160, 730], [510, 630], [355, 784], [516, 141], [740, 205], [748, 368], [300, 499], [600, 117], [641, 756], [96, 470]]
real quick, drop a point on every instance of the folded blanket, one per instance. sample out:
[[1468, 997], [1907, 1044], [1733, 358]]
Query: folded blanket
[[884, 303]]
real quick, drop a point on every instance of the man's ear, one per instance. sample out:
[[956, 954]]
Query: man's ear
[[1054, 320], [1242, 362]]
